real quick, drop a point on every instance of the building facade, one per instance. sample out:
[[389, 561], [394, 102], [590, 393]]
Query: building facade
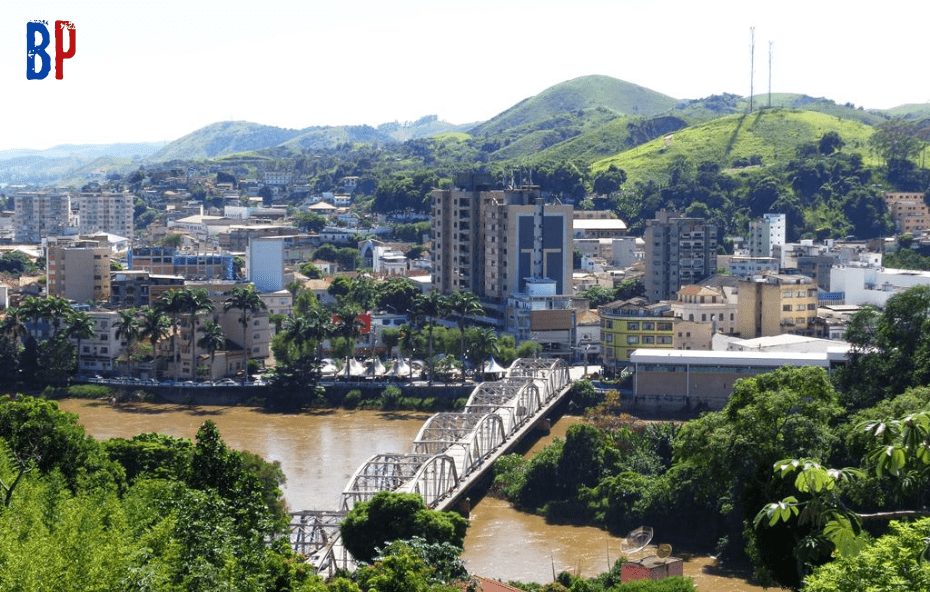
[[679, 251], [491, 242], [631, 324], [37, 215], [78, 270], [106, 212], [772, 304]]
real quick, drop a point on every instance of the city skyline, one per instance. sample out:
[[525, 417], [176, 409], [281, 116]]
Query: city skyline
[[156, 72]]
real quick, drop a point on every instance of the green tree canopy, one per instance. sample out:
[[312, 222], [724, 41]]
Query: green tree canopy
[[397, 516]]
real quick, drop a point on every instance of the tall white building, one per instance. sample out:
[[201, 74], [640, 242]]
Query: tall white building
[[765, 234]]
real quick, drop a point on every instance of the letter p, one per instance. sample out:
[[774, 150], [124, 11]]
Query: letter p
[[60, 54], [34, 51]]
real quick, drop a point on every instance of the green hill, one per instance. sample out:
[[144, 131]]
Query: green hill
[[578, 95], [225, 137], [772, 134]]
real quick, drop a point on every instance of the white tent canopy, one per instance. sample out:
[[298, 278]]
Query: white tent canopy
[[492, 367], [375, 368]]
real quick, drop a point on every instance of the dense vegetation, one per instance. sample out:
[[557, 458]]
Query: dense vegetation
[[754, 480]]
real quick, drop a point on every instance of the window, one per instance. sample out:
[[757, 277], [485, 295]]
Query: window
[[103, 350], [650, 339], [664, 339], [649, 326], [632, 339], [703, 317], [632, 326], [664, 327], [610, 338], [786, 308]]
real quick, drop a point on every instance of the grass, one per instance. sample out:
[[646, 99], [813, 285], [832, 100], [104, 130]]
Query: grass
[[773, 134]]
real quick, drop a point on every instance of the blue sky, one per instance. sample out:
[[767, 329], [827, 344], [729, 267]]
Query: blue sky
[[157, 71]]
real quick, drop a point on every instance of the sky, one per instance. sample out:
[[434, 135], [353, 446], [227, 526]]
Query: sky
[[155, 71]]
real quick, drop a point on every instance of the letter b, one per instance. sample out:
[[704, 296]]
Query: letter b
[[34, 51]]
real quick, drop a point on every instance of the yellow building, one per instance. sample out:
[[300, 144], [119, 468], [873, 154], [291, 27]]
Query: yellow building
[[773, 303], [631, 324]]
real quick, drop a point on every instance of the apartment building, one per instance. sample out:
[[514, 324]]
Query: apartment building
[[491, 242], [106, 212], [630, 324], [78, 269], [168, 261], [679, 251], [706, 304], [909, 211], [37, 215], [776, 303], [766, 233]]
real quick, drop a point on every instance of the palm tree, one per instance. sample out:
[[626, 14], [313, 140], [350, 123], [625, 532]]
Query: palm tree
[[127, 327], [246, 299], [13, 323], [212, 340], [464, 305], [81, 326], [349, 326], [172, 303], [432, 307], [484, 343], [154, 326], [195, 302]]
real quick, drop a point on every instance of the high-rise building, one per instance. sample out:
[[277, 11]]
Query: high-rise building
[[679, 251], [79, 269], [37, 215], [106, 212], [492, 242], [765, 234]]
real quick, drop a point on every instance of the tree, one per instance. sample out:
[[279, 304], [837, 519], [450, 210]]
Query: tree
[[891, 349], [195, 301], [390, 338], [609, 181], [464, 305], [127, 327], [154, 326], [830, 142], [212, 340], [247, 300], [894, 141], [81, 326], [895, 561], [729, 455], [390, 516]]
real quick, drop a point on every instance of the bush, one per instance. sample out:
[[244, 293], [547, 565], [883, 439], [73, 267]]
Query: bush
[[89, 391], [391, 397], [352, 399]]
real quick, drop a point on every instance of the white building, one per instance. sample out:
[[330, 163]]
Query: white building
[[765, 234], [873, 285]]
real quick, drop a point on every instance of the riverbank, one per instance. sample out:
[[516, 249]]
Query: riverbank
[[320, 449]]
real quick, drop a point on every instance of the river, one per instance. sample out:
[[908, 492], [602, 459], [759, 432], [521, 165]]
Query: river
[[319, 452]]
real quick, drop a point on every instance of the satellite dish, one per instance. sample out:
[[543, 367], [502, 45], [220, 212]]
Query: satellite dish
[[636, 539], [663, 551]]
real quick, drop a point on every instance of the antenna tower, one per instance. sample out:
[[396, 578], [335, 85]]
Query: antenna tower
[[770, 74], [752, 62]]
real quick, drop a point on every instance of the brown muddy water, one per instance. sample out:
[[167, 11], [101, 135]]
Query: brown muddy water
[[319, 452]]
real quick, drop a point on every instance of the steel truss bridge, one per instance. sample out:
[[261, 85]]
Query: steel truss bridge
[[450, 453]]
